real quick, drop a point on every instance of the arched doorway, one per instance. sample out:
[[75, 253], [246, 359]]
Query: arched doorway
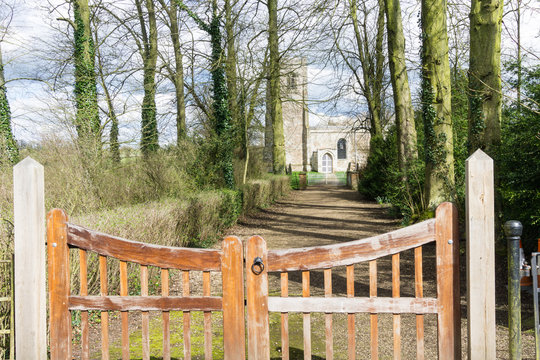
[[327, 163]]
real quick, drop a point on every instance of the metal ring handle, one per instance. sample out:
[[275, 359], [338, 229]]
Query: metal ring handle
[[258, 266]]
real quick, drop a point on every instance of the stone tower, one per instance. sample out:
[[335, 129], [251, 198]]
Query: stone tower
[[295, 114], [295, 117]]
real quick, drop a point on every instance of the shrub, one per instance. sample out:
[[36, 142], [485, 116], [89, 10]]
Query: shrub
[[261, 193], [198, 221], [519, 161]]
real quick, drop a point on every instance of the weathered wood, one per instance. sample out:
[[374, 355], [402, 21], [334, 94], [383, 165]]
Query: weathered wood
[[351, 336], [103, 281], [419, 292], [58, 269], [321, 257], [233, 299], [404, 305], [396, 317], [480, 227], [124, 314], [83, 275], [285, 318], [187, 317], [145, 303], [257, 301], [145, 316], [328, 316], [29, 217], [166, 316], [142, 253], [447, 255], [207, 319], [374, 328], [306, 316]]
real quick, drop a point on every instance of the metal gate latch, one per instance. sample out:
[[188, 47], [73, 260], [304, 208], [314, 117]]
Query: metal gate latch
[[258, 266]]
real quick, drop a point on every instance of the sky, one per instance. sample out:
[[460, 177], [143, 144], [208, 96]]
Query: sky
[[36, 117]]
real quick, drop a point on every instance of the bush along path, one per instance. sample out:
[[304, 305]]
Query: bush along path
[[323, 215]]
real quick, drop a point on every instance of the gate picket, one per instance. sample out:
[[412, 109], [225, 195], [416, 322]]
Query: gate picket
[[257, 301]]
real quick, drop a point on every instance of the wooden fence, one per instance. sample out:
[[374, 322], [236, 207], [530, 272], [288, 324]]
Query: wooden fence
[[8, 296], [229, 261]]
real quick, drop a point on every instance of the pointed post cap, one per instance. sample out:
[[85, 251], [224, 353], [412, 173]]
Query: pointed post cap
[[479, 155], [27, 162]]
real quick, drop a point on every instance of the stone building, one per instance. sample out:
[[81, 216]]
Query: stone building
[[330, 146]]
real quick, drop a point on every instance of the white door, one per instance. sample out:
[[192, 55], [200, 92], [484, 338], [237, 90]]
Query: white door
[[327, 163]]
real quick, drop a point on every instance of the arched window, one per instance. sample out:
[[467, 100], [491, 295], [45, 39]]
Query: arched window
[[342, 149]]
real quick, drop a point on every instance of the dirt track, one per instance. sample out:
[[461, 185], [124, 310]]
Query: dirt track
[[317, 216]]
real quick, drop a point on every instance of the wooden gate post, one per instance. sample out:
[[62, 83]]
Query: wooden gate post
[[257, 300], [480, 224], [449, 314], [58, 268], [233, 299], [30, 295]]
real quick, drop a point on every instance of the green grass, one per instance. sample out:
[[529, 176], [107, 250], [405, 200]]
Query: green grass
[[176, 337]]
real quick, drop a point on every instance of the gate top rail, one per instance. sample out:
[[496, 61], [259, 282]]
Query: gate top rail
[[328, 256], [143, 253]]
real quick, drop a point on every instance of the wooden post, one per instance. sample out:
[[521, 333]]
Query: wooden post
[[257, 300], [449, 314], [58, 269], [29, 221], [233, 299], [480, 224]]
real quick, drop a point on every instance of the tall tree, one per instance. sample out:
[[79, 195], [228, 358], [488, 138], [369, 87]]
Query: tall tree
[[406, 132], [372, 62], [365, 49], [436, 104], [114, 144], [9, 150], [176, 75], [276, 112], [221, 115], [485, 99], [87, 118], [149, 53], [230, 67]]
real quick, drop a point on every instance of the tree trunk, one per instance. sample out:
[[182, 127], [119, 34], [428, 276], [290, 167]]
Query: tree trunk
[[149, 132], [372, 63], [178, 75], [485, 98], [8, 150], [87, 117], [230, 71], [268, 155], [436, 104], [276, 113], [406, 132], [114, 145]]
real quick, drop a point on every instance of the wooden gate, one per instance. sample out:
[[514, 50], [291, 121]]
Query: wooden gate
[[443, 230], [61, 235]]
